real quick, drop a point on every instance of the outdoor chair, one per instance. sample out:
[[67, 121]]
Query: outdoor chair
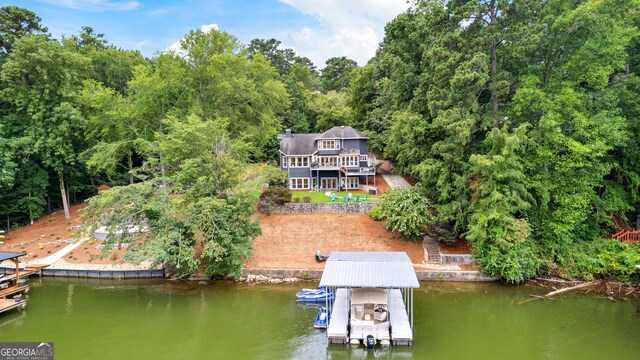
[[334, 197], [364, 198], [345, 199], [357, 199], [350, 195]]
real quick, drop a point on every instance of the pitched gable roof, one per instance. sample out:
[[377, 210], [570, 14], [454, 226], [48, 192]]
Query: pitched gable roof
[[298, 144], [342, 132]]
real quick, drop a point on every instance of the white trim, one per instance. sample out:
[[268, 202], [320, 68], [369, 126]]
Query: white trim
[[348, 182], [335, 142], [328, 178], [299, 183], [364, 158], [299, 162], [285, 161], [350, 160]]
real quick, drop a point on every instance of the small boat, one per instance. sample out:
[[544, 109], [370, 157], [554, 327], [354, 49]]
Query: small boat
[[307, 292], [317, 297], [321, 319]]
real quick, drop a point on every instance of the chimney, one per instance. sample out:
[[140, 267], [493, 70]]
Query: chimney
[[287, 133]]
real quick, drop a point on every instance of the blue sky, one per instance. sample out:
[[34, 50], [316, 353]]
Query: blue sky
[[318, 29]]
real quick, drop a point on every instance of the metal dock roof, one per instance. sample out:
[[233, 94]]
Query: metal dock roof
[[369, 269], [7, 255]]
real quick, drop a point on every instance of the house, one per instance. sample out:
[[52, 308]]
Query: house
[[337, 159]]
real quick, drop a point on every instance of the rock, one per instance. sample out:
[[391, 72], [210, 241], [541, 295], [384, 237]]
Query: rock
[[242, 279], [275, 281], [251, 277]]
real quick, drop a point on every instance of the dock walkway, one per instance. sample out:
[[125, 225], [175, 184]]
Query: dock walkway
[[401, 333], [13, 290], [338, 321], [6, 305]]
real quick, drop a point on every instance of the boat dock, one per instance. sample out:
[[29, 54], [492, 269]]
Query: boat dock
[[348, 272], [337, 332], [17, 289], [401, 333]]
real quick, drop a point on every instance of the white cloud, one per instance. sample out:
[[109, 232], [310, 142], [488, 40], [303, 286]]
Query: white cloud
[[95, 5], [352, 28], [175, 47]]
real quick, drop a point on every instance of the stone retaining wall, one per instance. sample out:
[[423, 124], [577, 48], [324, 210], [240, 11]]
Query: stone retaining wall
[[456, 259], [337, 207], [466, 276], [283, 274]]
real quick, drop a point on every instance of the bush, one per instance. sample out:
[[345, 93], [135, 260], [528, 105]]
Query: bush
[[277, 178], [443, 232], [272, 197], [406, 210], [603, 258], [306, 199], [375, 213], [514, 262]]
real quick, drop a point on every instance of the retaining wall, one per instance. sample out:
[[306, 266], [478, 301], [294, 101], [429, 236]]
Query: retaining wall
[[456, 259], [467, 276], [97, 274], [336, 207]]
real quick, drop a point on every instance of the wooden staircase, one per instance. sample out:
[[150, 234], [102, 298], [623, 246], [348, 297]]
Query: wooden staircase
[[624, 232]]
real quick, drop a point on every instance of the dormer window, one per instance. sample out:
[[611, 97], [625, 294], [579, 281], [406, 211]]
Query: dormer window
[[329, 145]]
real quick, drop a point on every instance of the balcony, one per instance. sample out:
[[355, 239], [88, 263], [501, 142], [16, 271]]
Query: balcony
[[357, 171]]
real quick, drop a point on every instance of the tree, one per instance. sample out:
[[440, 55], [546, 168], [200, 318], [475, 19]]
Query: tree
[[337, 73], [281, 59], [16, 22], [407, 210], [42, 80]]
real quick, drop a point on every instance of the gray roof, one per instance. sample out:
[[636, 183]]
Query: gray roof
[[6, 255], [342, 132], [369, 269], [298, 144]]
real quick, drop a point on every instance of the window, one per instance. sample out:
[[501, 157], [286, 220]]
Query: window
[[329, 145], [363, 157], [299, 183], [299, 161], [351, 182], [328, 161], [285, 160], [350, 161]]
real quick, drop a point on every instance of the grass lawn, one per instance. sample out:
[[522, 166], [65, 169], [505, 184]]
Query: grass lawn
[[320, 197]]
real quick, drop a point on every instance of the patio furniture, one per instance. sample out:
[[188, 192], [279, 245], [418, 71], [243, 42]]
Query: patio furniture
[[357, 199], [345, 199], [333, 197]]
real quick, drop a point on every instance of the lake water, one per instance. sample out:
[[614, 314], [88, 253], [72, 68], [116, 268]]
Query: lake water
[[97, 319]]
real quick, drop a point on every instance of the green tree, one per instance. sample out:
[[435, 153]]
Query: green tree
[[336, 75], [41, 79], [16, 22]]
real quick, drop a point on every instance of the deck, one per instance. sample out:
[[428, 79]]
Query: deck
[[339, 320], [13, 290], [401, 333], [23, 274], [6, 305]]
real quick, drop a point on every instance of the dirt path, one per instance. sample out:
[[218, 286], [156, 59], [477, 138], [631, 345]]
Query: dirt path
[[291, 241]]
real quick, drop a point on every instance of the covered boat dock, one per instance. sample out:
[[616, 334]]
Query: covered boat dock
[[391, 271], [5, 304]]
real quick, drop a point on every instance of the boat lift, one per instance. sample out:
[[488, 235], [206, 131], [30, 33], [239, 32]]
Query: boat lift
[[391, 271]]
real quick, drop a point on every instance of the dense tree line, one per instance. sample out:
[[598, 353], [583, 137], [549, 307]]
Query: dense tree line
[[179, 129], [520, 120]]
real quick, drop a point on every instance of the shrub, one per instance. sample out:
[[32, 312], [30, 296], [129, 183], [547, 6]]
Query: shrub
[[375, 213], [277, 179], [296, 200], [406, 210], [273, 196], [306, 199], [604, 258]]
